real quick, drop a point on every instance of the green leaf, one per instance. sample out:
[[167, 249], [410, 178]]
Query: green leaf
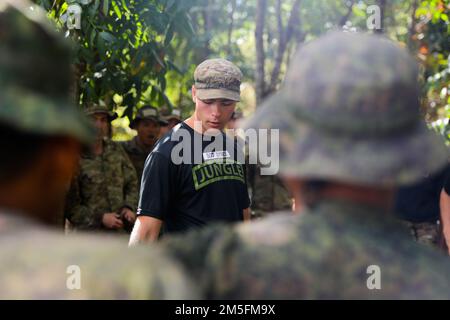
[[161, 99], [172, 66], [444, 17], [105, 7], [124, 5], [153, 93], [92, 37], [162, 81], [128, 100], [108, 37], [117, 10], [169, 35]]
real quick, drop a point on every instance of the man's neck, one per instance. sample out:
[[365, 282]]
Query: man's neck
[[98, 147], [197, 126], [377, 197]]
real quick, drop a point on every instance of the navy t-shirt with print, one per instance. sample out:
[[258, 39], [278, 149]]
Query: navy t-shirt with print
[[189, 181]]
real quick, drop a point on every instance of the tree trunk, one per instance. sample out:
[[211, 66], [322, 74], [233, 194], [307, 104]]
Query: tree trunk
[[345, 18], [284, 37], [230, 29], [412, 27], [261, 8], [382, 5]]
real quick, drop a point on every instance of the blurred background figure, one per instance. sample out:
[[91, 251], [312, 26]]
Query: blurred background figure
[[104, 193], [444, 240], [42, 133], [418, 206], [148, 124], [172, 119]]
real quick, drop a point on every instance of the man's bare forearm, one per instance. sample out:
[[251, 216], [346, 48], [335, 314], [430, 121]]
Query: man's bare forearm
[[246, 214], [445, 216]]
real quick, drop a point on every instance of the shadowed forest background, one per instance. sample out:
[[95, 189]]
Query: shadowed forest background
[[134, 52]]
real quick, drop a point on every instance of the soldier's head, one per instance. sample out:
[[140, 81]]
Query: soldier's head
[[147, 123], [348, 115], [215, 92], [173, 118], [41, 132], [101, 117]]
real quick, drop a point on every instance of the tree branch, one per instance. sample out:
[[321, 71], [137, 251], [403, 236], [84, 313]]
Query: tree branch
[[230, 29], [345, 18], [261, 8], [412, 27], [284, 38]]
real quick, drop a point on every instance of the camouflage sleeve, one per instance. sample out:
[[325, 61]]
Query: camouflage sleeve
[[76, 212], [131, 194], [206, 255]]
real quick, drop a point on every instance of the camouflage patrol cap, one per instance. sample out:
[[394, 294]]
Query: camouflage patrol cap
[[147, 113], [217, 79], [97, 108], [35, 74], [175, 114], [349, 112]]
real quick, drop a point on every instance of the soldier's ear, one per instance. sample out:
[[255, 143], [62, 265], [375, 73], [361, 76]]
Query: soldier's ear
[[295, 187], [194, 93]]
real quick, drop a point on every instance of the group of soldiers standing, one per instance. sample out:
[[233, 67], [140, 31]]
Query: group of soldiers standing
[[104, 192], [350, 133]]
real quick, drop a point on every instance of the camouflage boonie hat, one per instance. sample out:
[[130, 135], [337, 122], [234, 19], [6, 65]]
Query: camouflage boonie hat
[[217, 79], [147, 113], [96, 108], [35, 75], [349, 111]]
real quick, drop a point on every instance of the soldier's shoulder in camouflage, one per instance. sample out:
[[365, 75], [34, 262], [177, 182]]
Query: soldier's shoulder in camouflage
[[71, 267]]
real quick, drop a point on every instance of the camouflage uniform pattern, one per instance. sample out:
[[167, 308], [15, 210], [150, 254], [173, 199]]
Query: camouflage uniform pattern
[[424, 232], [268, 193], [35, 75], [137, 156], [322, 254], [217, 79], [28, 272], [105, 183], [25, 75], [348, 113]]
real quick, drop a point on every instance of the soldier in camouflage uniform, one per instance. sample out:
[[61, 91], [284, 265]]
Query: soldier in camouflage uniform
[[147, 123], [43, 131], [104, 192], [268, 193], [350, 131]]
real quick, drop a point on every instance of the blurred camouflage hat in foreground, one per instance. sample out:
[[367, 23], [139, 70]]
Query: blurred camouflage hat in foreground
[[35, 74], [349, 111], [98, 108], [218, 79], [147, 113]]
